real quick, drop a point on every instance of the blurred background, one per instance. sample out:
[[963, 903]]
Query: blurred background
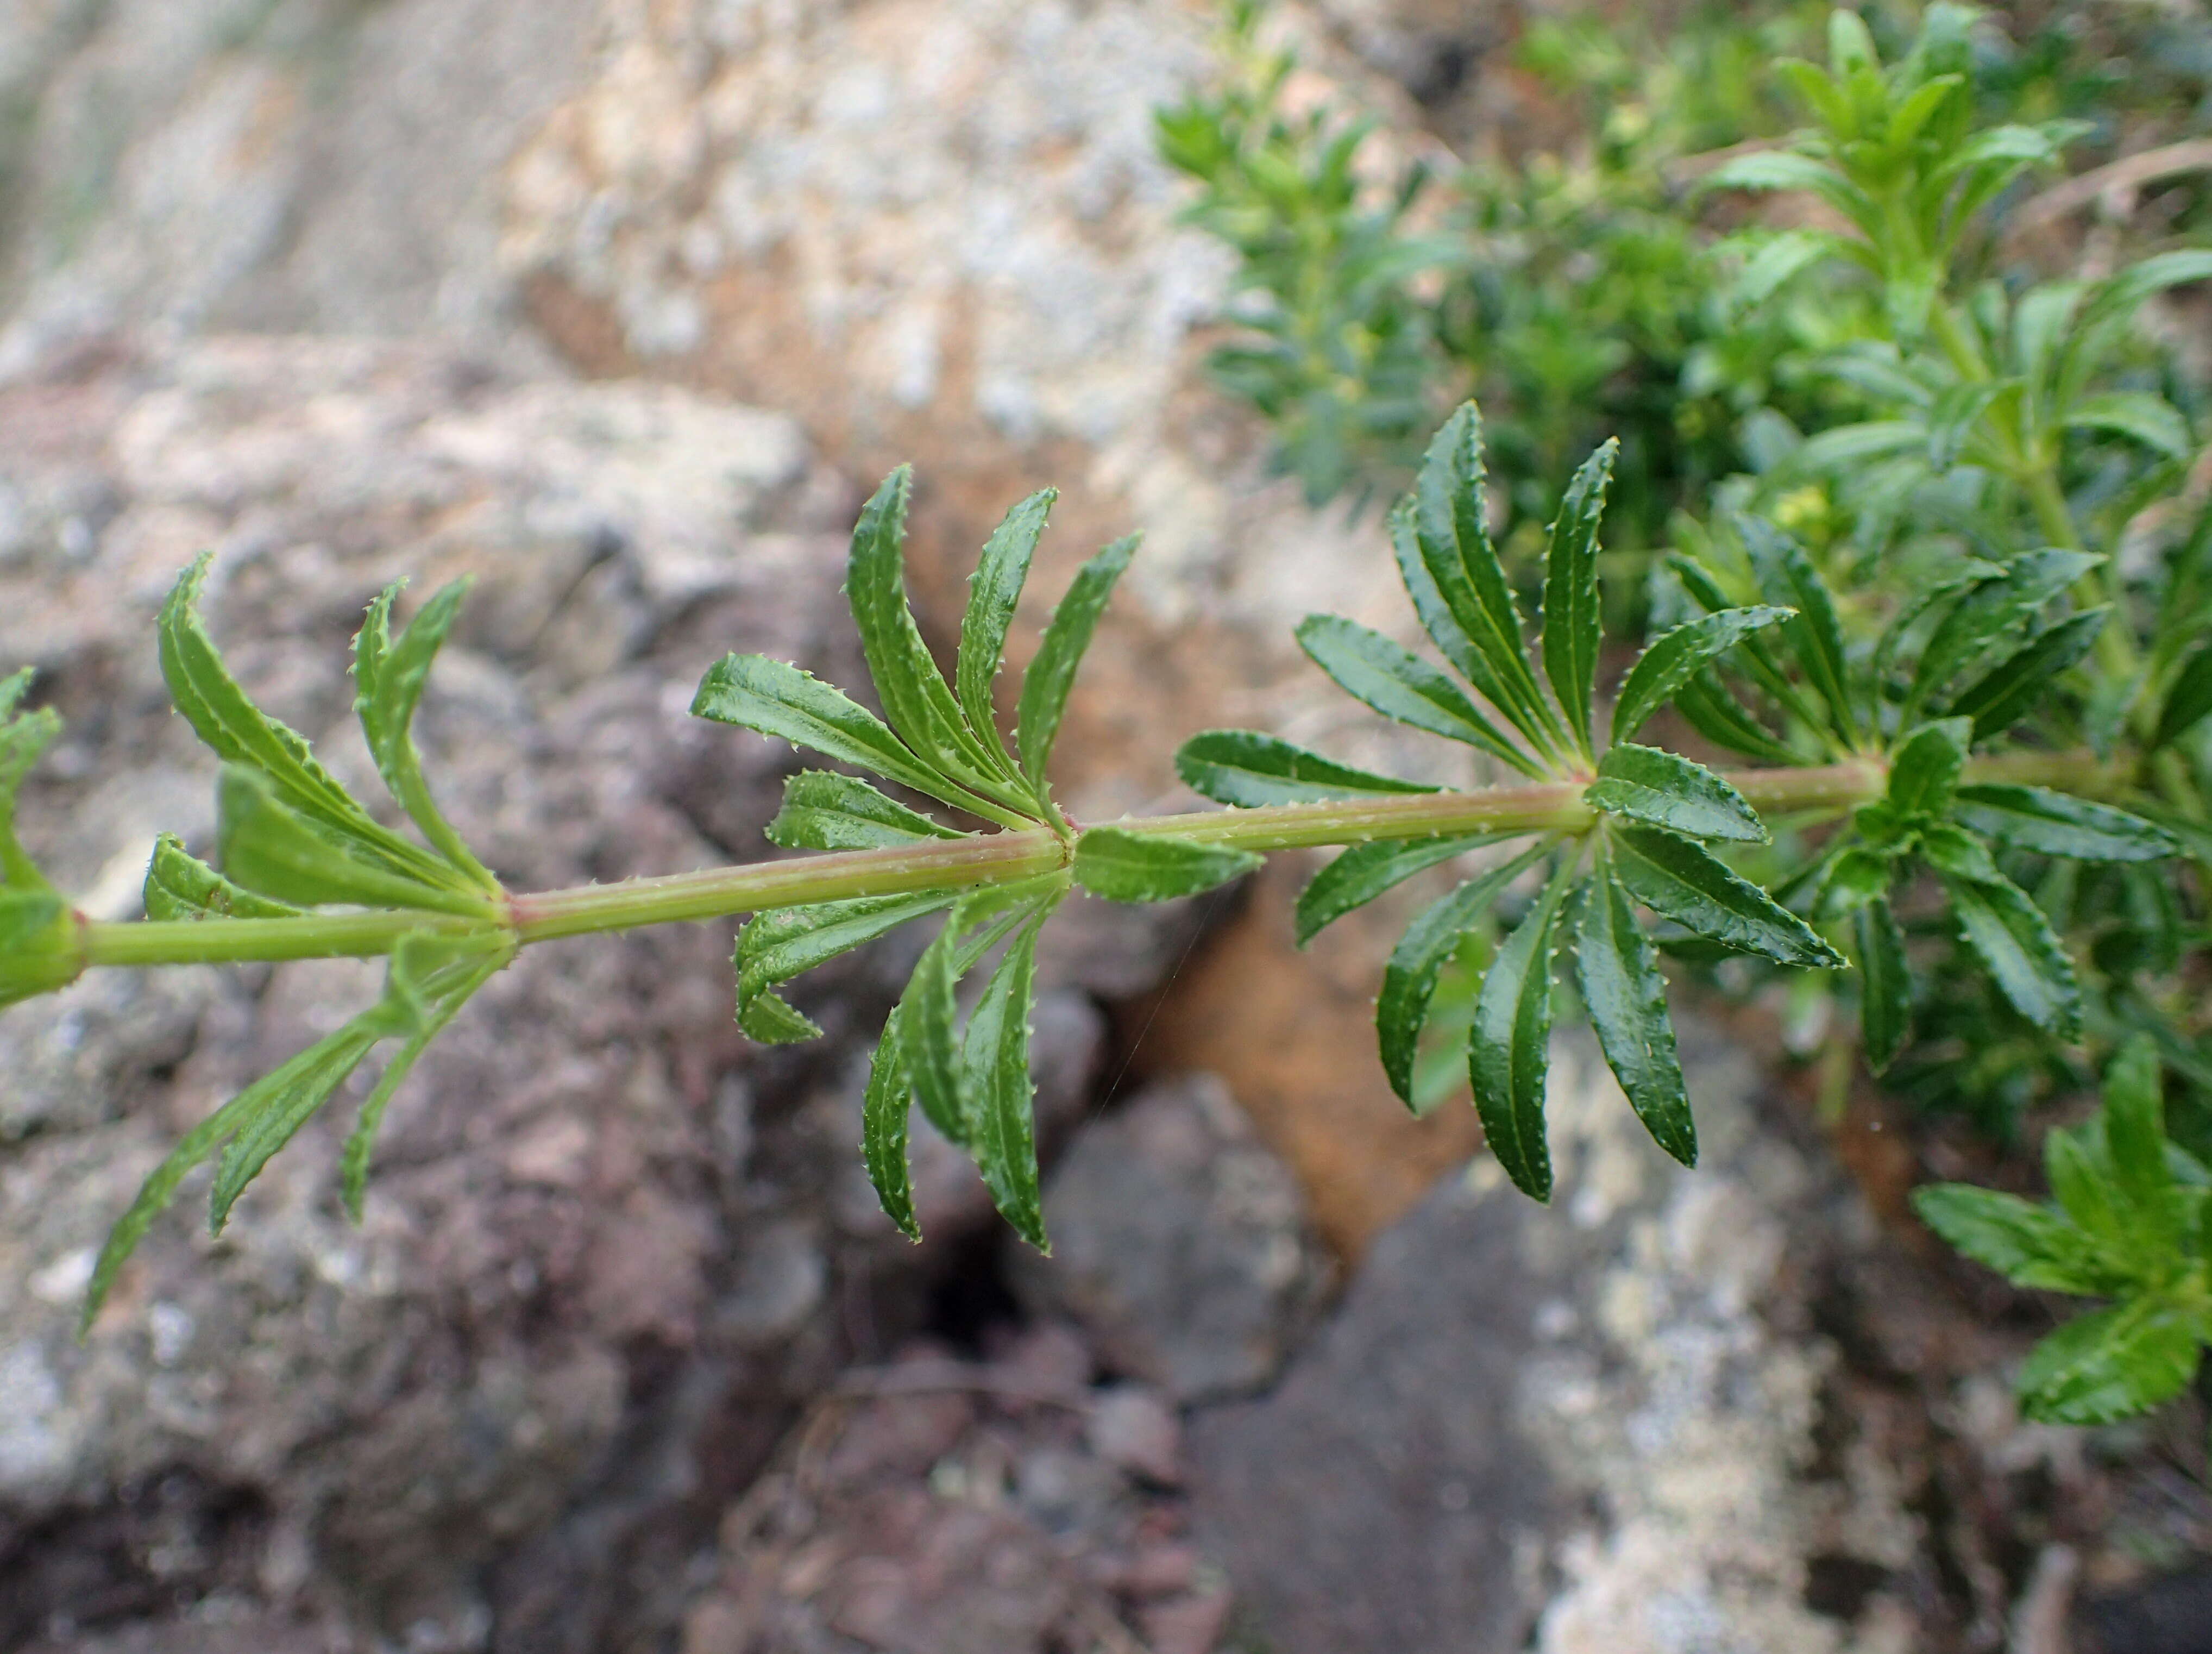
[[623, 306]]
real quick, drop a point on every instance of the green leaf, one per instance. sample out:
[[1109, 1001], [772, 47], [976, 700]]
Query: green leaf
[[241, 735], [1708, 708], [1052, 674], [1885, 983], [41, 944], [275, 849], [1999, 699], [2030, 1245], [1660, 789], [927, 1011], [775, 946], [1626, 999], [2078, 1165], [2134, 1134], [1509, 1048], [1400, 685], [2016, 941], [1365, 871], [388, 676], [1813, 634], [915, 698], [1680, 881], [178, 885], [1993, 611], [2108, 307], [2058, 824], [23, 737], [825, 810], [2138, 416], [2188, 701], [1924, 771], [1573, 619], [1245, 767], [2111, 1364], [1674, 658], [993, 591], [1458, 585], [884, 1110], [1952, 849], [1409, 980], [1845, 445], [997, 1089], [780, 701], [1127, 867]]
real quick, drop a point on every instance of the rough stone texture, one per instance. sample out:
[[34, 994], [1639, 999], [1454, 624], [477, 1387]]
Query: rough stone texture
[[609, 1247], [1582, 1422], [1180, 1244]]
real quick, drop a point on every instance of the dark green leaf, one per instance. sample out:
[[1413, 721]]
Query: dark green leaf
[[1409, 980], [1682, 882], [1674, 658], [1856, 876], [2014, 940], [388, 676], [884, 1110], [927, 1012], [1365, 871], [784, 942], [1509, 1048], [1708, 708], [178, 885], [2006, 693], [2108, 305], [1626, 999], [1128, 866], [2140, 416], [276, 850], [1245, 767], [2058, 824], [1924, 771], [1642, 783], [1573, 621], [2134, 1134], [1992, 613], [1885, 984], [993, 591], [995, 1081], [1052, 674], [824, 811], [1953, 850], [2030, 1245], [2188, 700], [1813, 634], [2110, 1365], [1400, 685]]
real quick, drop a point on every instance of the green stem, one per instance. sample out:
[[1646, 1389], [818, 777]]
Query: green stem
[[1002, 859]]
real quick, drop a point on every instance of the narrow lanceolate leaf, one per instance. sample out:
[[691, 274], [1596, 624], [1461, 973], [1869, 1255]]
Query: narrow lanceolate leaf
[[1813, 634], [780, 944], [824, 811], [1245, 767], [180, 886], [286, 1100], [2111, 1363], [1990, 613], [1458, 585], [1682, 882], [2030, 1245], [885, 1108], [240, 733], [2022, 682], [1708, 706], [915, 697], [928, 1016], [993, 591], [1660, 789], [1509, 1047], [2058, 824], [388, 676], [2139, 416], [1673, 658], [23, 737], [1924, 771], [785, 703], [1885, 984], [273, 848], [1125, 866], [1626, 999], [1573, 622], [2188, 700], [1052, 674], [2016, 941], [995, 1078], [2134, 1133], [1950, 849], [1400, 685], [1365, 871], [1409, 980]]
